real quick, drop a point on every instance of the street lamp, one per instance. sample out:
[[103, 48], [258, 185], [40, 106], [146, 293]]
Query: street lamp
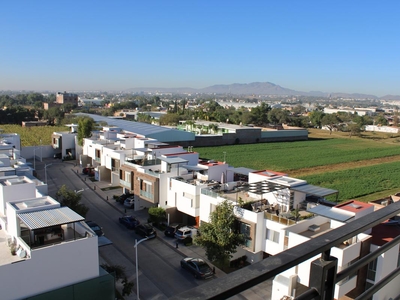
[[137, 265], [45, 172]]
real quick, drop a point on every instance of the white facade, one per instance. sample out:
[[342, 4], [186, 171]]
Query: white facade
[[53, 248]]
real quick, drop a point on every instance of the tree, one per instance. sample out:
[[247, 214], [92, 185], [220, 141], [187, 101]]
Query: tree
[[53, 115], [278, 116], [220, 236], [354, 129], [380, 120], [330, 121], [85, 127], [259, 114], [72, 200], [316, 117], [119, 274]]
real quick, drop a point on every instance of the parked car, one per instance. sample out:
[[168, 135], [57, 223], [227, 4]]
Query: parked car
[[171, 229], [88, 171], [129, 202], [129, 222], [198, 267], [96, 228], [58, 155], [185, 232], [123, 197], [146, 230]]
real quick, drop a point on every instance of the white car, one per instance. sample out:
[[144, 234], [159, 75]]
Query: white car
[[129, 202], [184, 232]]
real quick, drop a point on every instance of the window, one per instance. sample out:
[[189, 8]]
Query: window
[[245, 229], [372, 270], [398, 260], [273, 235]]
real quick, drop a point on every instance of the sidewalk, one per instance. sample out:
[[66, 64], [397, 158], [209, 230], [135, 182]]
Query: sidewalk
[[142, 215]]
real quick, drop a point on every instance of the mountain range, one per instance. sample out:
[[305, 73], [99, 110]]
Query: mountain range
[[257, 88]]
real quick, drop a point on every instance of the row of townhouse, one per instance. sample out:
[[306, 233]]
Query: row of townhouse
[[46, 251], [269, 206]]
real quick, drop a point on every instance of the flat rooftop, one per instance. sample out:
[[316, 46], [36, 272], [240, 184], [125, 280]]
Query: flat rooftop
[[43, 202], [5, 251]]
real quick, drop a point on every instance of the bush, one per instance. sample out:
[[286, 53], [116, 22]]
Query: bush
[[239, 262], [188, 241], [156, 215]]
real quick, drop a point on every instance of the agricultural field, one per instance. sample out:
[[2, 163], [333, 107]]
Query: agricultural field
[[31, 136], [363, 168]]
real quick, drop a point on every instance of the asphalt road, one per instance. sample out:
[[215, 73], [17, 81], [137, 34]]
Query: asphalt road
[[160, 274]]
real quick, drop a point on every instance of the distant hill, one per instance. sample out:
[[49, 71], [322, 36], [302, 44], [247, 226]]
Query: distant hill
[[390, 97], [256, 88]]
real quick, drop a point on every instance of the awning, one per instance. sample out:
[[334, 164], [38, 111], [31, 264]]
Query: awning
[[49, 217], [173, 160], [314, 190], [193, 168], [331, 213], [242, 171]]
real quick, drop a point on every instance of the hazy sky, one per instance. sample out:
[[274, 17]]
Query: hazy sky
[[330, 46]]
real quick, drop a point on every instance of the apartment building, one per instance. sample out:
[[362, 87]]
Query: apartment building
[[64, 142], [270, 207], [46, 251]]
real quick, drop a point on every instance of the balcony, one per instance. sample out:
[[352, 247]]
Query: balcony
[[126, 184], [147, 195], [323, 275], [279, 219]]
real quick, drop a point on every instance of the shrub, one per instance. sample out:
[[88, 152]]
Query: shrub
[[188, 241], [157, 215]]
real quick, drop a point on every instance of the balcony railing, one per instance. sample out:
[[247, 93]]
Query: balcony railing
[[210, 193], [323, 275], [97, 159], [148, 195], [126, 184], [115, 169], [279, 219]]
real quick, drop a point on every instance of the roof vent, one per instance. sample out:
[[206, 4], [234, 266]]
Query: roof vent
[[314, 228]]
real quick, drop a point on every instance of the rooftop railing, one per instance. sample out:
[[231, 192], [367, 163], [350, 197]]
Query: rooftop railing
[[323, 274]]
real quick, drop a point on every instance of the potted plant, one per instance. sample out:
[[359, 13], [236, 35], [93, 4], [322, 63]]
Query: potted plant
[[13, 249]]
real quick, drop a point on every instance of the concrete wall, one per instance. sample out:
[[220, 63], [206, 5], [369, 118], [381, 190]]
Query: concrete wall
[[60, 265], [247, 136], [44, 151]]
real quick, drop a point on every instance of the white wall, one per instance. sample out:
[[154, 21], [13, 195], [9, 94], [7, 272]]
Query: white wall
[[50, 268], [21, 191]]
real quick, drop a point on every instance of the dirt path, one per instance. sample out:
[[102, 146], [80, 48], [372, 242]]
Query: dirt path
[[342, 166]]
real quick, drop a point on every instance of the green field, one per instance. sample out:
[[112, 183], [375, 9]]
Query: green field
[[31, 136], [339, 163], [360, 182], [288, 156]]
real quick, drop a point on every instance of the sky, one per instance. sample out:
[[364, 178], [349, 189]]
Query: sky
[[328, 46]]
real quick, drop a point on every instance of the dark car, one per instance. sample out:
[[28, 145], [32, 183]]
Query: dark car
[[171, 229], [146, 230], [58, 155], [129, 222], [96, 228], [197, 267], [129, 202], [121, 199]]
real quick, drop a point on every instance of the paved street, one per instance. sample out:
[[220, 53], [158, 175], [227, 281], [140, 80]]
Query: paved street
[[160, 274]]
